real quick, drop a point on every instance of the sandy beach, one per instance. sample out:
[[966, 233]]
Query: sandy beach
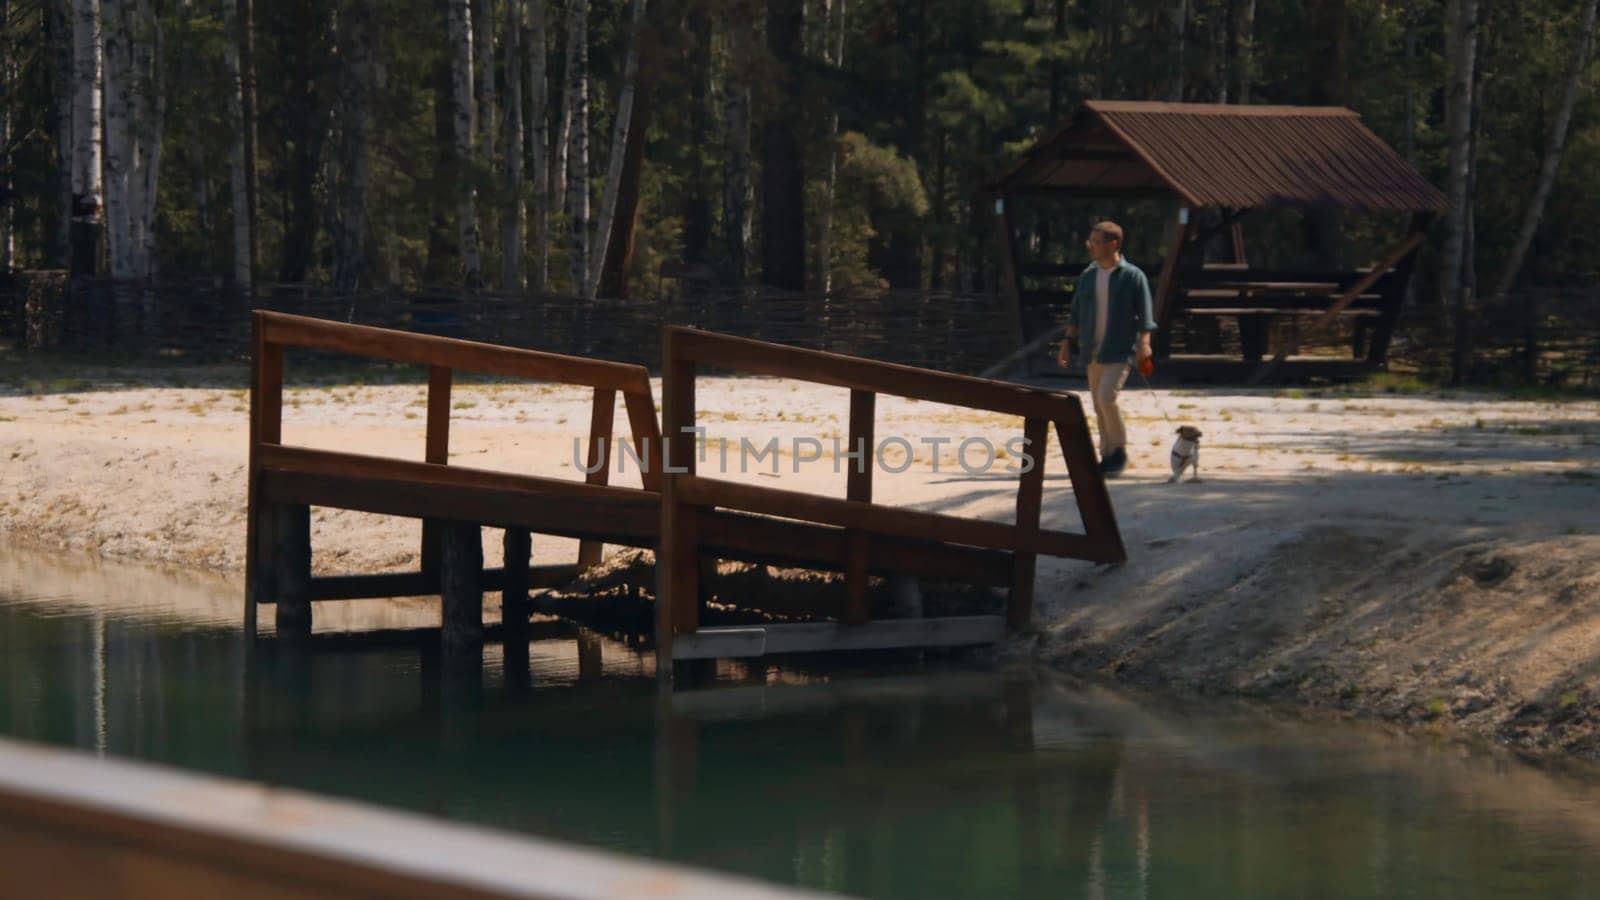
[[1423, 558]]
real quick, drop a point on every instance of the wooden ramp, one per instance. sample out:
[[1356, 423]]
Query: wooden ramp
[[690, 519]]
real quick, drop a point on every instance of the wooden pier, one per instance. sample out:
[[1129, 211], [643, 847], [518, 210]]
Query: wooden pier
[[689, 519]]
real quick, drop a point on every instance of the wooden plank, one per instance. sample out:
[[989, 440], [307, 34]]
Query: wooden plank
[[817, 637], [1394, 294], [419, 584], [292, 569], [761, 539], [1168, 282], [1394, 256], [74, 825], [856, 611], [599, 460], [880, 519], [646, 436], [1010, 266], [1089, 489], [450, 353], [266, 394], [819, 367], [360, 466], [516, 551], [437, 451], [632, 524], [461, 587], [858, 480], [1030, 497]]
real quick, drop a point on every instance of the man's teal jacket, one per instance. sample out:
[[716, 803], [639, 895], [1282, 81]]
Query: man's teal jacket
[[1128, 312]]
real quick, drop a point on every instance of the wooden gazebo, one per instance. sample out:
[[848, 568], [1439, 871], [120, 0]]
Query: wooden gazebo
[[1217, 164]]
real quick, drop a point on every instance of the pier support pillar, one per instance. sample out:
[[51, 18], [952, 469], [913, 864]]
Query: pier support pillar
[[514, 609], [291, 568], [461, 588]]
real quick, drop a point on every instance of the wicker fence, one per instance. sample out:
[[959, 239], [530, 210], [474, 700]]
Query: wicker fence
[[1544, 336], [203, 321]]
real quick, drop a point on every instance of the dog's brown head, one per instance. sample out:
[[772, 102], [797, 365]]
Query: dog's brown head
[[1189, 432]]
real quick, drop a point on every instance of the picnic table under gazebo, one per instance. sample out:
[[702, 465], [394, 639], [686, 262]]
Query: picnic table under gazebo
[[1216, 165]]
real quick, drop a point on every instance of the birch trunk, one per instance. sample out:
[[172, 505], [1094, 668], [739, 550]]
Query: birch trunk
[[578, 152], [459, 27], [354, 103], [1555, 145], [60, 19], [834, 48], [738, 196], [483, 82], [118, 150], [87, 187], [7, 75], [1244, 49], [515, 213], [238, 185], [1461, 37], [563, 138], [619, 140], [538, 134], [149, 114], [1180, 22]]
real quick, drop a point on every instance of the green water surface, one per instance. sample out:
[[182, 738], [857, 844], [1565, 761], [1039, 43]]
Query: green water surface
[[883, 778]]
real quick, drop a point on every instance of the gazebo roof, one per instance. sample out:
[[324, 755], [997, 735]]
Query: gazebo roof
[[1239, 157]]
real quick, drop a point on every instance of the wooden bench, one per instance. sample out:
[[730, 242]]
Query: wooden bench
[[453, 501], [704, 516]]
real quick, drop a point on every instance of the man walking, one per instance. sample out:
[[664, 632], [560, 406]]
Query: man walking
[[1111, 318]]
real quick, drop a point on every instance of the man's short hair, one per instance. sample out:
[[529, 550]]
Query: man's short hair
[[1108, 231]]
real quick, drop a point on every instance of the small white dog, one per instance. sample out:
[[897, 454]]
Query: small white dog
[[1186, 453]]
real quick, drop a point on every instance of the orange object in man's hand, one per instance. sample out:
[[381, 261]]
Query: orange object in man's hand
[[1147, 366]]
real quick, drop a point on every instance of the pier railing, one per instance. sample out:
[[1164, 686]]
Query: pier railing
[[715, 517], [433, 490]]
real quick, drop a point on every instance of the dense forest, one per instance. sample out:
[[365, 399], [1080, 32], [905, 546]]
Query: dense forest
[[576, 146]]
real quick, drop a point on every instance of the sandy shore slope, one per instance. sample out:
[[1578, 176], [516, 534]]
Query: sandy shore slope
[[1423, 558]]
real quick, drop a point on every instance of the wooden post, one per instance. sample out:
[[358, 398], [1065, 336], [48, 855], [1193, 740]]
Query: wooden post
[[291, 563], [858, 488], [461, 587], [266, 427], [518, 554], [1010, 277], [677, 571], [1383, 328], [599, 460], [438, 451], [1167, 287], [1030, 500], [1089, 486]]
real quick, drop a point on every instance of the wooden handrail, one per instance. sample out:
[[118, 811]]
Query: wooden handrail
[[683, 491], [274, 331], [821, 367], [454, 353]]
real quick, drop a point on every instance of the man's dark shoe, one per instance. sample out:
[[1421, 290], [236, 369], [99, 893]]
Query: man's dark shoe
[[1114, 463]]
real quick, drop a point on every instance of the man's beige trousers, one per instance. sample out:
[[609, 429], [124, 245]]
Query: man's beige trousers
[[1104, 383]]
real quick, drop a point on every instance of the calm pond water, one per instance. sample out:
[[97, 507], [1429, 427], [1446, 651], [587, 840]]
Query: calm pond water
[[905, 780]]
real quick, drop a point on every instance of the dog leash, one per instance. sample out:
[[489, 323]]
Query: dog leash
[[1160, 407]]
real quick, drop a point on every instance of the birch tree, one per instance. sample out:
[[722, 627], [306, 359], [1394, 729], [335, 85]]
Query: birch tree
[[1461, 37], [238, 184], [578, 152], [7, 77], [738, 189], [619, 140], [483, 80], [538, 134], [511, 225], [458, 24], [354, 104], [118, 159], [1555, 144], [87, 185], [59, 21], [563, 137], [833, 55], [149, 116]]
